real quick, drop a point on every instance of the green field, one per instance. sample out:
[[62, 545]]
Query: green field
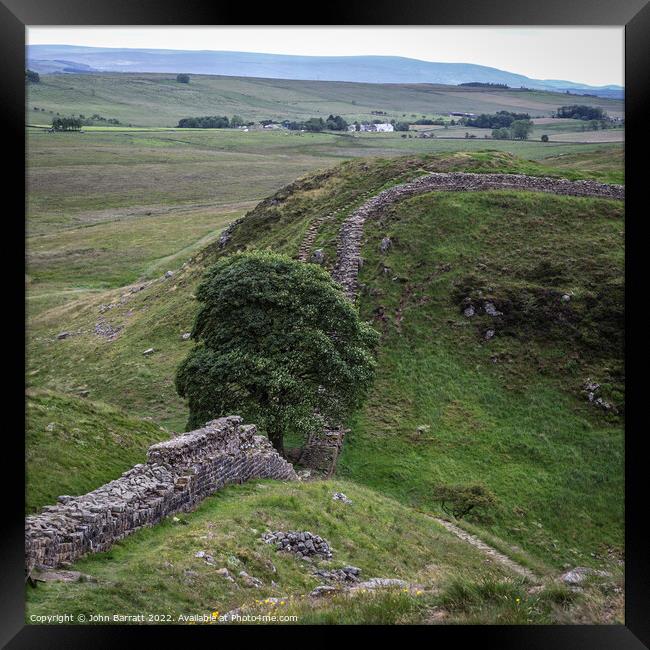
[[158, 100]]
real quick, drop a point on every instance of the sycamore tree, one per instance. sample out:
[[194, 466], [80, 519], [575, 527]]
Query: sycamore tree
[[277, 343]]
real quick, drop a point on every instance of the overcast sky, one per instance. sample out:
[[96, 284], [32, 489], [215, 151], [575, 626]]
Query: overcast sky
[[582, 54]]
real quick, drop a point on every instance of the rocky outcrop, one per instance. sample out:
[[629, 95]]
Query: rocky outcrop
[[178, 474], [346, 270]]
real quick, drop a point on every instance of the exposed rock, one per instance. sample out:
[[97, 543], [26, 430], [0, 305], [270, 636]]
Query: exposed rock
[[323, 590], [339, 496], [379, 583], [491, 310], [148, 351], [318, 256], [60, 576], [168, 274], [186, 336], [469, 311], [179, 474], [566, 297], [385, 245], [344, 574], [63, 335], [488, 335], [106, 330], [303, 544], [249, 580], [578, 575]]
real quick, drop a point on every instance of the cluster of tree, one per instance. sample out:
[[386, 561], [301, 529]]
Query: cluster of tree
[[401, 126], [210, 122], [481, 84], [460, 500], [66, 124], [315, 124], [277, 343], [498, 120], [183, 78], [581, 112], [518, 130], [32, 76]]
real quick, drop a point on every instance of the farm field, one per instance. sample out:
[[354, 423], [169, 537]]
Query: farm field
[[158, 100]]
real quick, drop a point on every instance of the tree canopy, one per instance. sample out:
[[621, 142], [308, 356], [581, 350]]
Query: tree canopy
[[183, 78], [277, 343]]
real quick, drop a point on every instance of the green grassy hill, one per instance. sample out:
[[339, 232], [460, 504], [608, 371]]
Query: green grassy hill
[[74, 445], [156, 570], [448, 407], [158, 100]]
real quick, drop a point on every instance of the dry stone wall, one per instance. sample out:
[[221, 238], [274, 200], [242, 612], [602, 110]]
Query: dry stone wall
[[178, 474], [346, 270]]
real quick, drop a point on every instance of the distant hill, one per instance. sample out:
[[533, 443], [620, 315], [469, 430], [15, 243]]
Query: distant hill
[[368, 69], [156, 99]]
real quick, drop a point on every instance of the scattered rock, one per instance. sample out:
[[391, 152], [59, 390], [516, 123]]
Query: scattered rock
[[491, 310], [249, 580], [339, 496], [186, 336], [106, 330], [469, 311], [148, 351], [63, 335], [566, 297], [385, 245], [379, 583], [323, 590], [345, 574], [318, 256], [488, 335], [168, 274], [302, 544]]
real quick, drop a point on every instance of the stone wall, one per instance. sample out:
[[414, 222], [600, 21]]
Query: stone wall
[[346, 270], [322, 449], [178, 474]]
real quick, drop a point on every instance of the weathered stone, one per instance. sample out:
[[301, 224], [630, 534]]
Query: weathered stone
[[148, 351], [318, 256], [385, 245], [178, 474], [578, 575]]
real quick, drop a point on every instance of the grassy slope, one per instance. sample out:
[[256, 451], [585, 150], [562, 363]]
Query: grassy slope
[[157, 316], [74, 445], [158, 100], [508, 412], [155, 570]]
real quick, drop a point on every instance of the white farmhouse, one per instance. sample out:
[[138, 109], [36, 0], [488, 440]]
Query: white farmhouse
[[384, 128]]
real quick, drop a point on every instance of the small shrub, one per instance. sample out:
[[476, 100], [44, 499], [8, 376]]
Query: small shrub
[[460, 500]]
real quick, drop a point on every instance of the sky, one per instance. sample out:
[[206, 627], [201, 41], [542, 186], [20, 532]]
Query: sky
[[590, 55]]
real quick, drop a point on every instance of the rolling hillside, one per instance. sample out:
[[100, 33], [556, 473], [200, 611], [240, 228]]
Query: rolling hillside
[[147, 99], [368, 69]]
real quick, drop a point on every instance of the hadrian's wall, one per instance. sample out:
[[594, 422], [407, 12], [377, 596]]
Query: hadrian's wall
[[178, 474]]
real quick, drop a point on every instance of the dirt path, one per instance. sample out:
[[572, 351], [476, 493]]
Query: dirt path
[[491, 552]]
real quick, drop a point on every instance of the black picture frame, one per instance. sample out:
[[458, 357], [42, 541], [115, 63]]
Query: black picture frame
[[15, 15]]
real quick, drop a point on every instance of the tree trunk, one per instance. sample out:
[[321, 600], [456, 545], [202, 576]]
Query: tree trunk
[[277, 440]]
